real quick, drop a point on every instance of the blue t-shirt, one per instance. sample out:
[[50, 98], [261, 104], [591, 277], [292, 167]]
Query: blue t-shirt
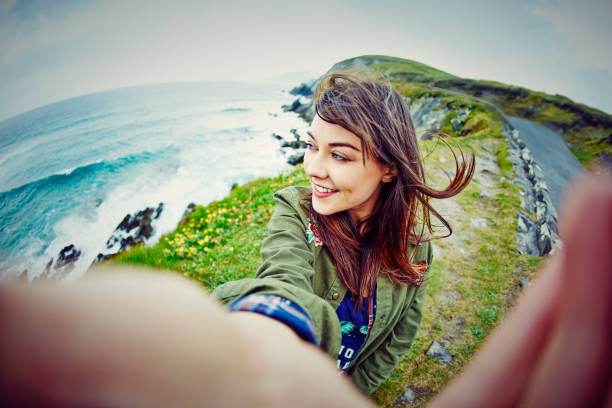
[[355, 325]]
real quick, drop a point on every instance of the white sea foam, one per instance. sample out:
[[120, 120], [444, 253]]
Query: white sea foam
[[197, 153]]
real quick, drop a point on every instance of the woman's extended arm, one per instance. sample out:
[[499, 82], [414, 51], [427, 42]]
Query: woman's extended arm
[[121, 338]]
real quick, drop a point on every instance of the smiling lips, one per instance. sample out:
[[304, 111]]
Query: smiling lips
[[322, 192]]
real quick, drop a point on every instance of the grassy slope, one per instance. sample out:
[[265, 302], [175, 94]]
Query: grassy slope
[[219, 242], [588, 130], [473, 281]]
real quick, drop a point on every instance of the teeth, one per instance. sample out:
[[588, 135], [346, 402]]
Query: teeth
[[323, 189]]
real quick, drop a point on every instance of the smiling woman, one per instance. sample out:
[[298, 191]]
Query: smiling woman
[[345, 262], [341, 179]]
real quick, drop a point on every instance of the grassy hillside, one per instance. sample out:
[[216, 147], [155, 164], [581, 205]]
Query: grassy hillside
[[587, 130]]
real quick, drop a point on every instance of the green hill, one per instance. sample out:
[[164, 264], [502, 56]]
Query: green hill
[[588, 131]]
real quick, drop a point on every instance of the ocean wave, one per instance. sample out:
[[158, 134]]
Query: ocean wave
[[236, 110], [66, 175], [242, 129], [74, 123]]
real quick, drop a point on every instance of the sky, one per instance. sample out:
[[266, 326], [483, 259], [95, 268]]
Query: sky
[[55, 50]]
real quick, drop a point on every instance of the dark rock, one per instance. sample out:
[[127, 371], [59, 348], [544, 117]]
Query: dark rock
[[436, 350], [412, 394], [524, 223], [67, 257], [524, 281], [191, 207], [303, 89], [541, 211], [159, 210], [102, 257], [295, 134], [296, 159], [306, 111], [544, 240], [457, 124], [49, 265], [132, 230], [531, 175], [293, 107], [409, 396], [605, 160], [427, 136], [294, 144]]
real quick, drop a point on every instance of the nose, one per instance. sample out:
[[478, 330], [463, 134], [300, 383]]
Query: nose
[[314, 165]]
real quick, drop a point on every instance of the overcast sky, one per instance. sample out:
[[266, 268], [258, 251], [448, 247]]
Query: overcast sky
[[53, 50]]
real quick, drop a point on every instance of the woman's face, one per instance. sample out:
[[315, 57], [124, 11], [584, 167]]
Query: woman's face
[[340, 180]]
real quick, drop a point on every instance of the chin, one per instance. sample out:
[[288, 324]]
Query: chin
[[321, 210]]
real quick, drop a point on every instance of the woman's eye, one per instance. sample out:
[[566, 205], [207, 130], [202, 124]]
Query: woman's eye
[[339, 157], [309, 146]]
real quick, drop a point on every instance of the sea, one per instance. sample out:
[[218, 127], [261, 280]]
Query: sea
[[72, 170]]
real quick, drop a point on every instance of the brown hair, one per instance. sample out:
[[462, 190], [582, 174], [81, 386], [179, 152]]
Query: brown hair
[[370, 108]]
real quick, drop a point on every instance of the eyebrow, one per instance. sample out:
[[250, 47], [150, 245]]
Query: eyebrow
[[336, 144]]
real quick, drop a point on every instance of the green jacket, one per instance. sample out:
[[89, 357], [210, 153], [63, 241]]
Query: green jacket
[[306, 274]]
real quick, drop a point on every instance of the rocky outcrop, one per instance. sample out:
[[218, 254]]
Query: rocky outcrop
[[303, 108], [65, 261], [438, 351], [428, 115], [537, 223], [304, 89], [132, 230], [293, 148], [412, 395]]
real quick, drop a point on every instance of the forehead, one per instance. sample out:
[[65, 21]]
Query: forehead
[[331, 133]]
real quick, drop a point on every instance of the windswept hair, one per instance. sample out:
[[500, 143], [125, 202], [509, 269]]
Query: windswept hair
[[370, 108]]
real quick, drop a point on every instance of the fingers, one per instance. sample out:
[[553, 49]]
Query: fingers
[[575, 368], [498, 374], [553, 348]]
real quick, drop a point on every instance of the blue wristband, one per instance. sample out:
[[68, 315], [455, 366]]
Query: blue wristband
[[278, 308]]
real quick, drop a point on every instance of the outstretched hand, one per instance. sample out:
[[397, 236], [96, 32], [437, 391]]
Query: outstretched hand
[[129, 338]]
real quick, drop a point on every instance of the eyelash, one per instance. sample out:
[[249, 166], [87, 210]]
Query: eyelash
[[336, 156], [339, 157]]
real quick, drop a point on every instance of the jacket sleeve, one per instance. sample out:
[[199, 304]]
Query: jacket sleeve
[[287, 271], [378, 366]]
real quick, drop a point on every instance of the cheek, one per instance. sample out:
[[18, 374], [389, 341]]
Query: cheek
[[306, 163]]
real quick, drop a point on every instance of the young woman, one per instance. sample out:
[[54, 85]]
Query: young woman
[[345, 261]]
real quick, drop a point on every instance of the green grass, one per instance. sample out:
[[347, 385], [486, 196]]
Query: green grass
[[218, 242]]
